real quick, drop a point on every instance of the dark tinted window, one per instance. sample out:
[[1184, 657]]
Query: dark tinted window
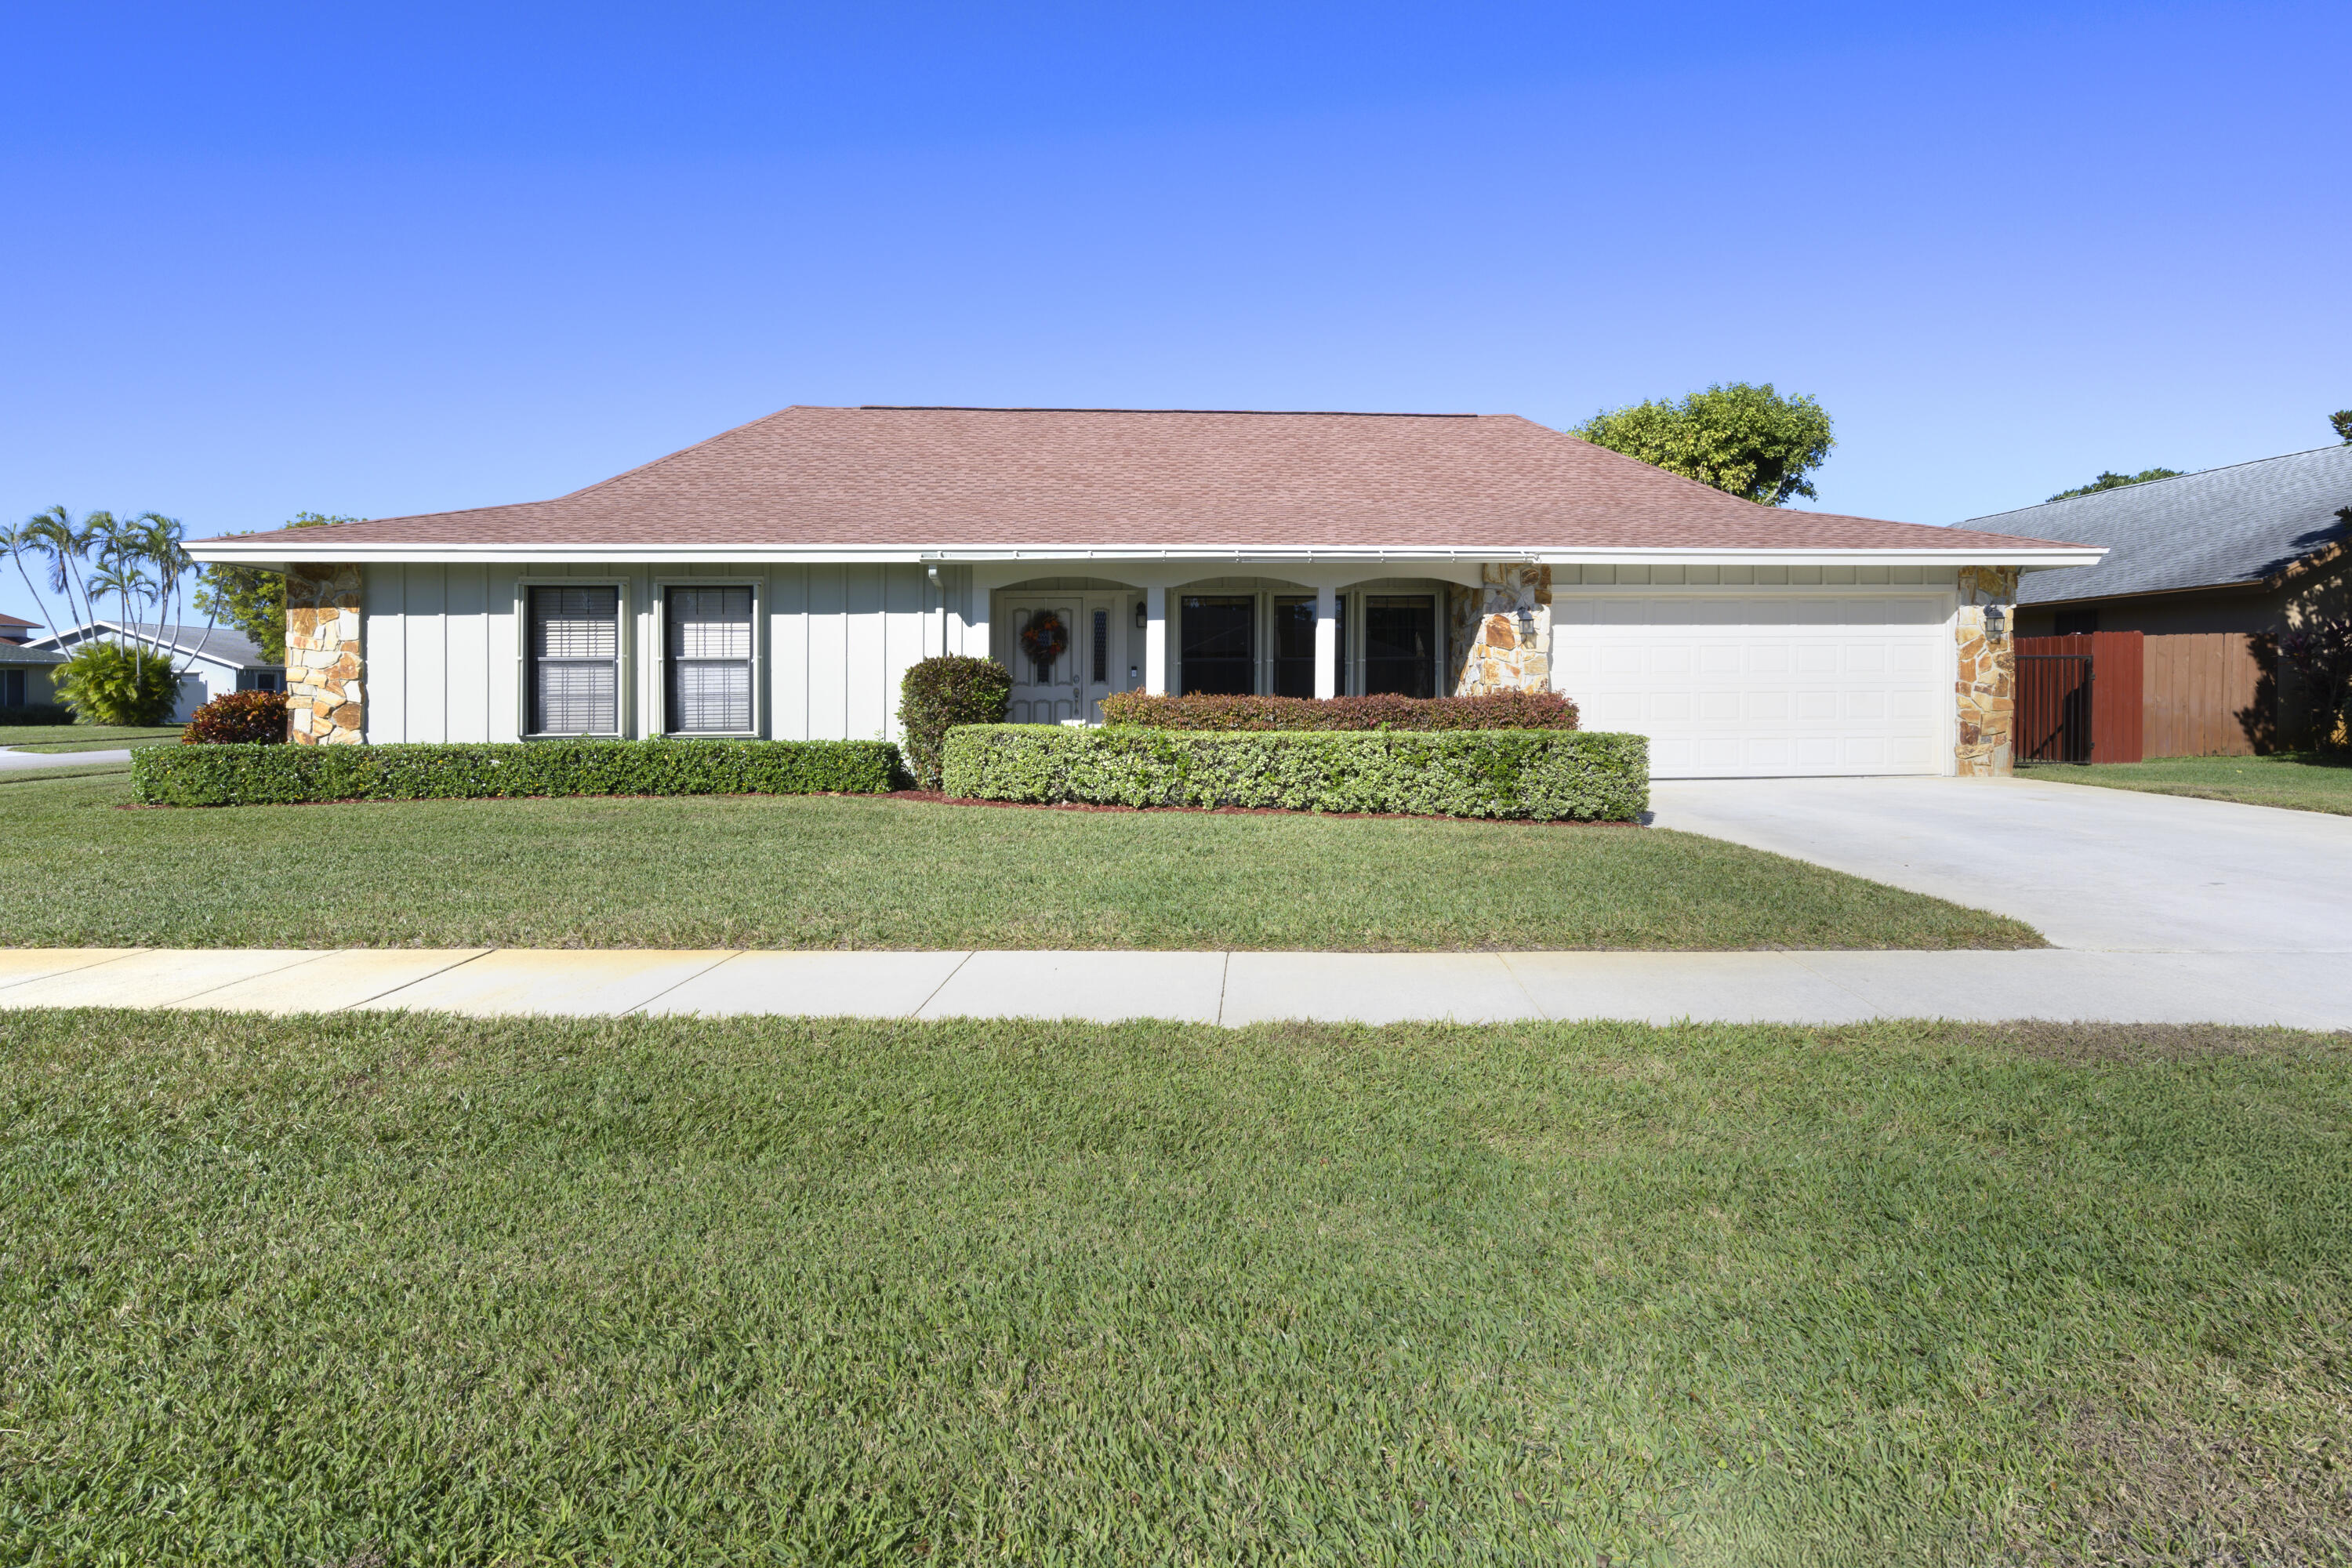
[[1401, 644], [1218, 644]]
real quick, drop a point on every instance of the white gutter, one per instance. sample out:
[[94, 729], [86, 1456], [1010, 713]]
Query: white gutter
[[277, 554]]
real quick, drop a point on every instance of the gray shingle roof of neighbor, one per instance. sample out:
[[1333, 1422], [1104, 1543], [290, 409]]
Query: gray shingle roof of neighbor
[[2222, 527], [922, 478], [219, 643]]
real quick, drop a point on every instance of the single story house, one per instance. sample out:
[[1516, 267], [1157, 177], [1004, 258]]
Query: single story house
[[2248, 548], [778, 580], [217, 660], [25, 676], [2232, 555]]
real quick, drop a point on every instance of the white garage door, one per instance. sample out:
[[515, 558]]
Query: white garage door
[[1763, 684]]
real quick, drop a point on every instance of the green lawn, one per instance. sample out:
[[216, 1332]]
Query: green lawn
[[2307, 781], [84, 737], [387, 1290], [65, 768], [863, 873]]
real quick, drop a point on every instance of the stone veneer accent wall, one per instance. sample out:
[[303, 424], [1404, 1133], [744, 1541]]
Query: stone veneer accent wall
[[325, 702], [1498, 635], [1986, 690]]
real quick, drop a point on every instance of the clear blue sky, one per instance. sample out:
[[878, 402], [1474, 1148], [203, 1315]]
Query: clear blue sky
[[385, 260]]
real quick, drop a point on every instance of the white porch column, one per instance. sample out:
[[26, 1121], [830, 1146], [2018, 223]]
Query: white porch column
[[975, 617], [1155, 641], [1327, 642]]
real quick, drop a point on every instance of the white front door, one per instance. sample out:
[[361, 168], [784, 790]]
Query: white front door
[[1043, 654], [1726, 685], [1084, 637]]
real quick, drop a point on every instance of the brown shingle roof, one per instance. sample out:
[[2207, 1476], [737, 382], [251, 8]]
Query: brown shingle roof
[[911, 477]]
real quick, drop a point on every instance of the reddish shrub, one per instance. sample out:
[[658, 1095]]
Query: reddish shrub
[[1496, 710], [238, 718]]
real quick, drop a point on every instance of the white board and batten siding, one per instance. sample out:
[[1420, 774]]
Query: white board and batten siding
[[1731, 671], [1831, 670], [444, 645]]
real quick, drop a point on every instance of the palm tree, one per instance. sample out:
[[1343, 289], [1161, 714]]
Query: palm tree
[[17, 539], [125, 577], [159, 542], [66, 542]]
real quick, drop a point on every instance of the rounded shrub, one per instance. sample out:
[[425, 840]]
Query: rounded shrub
[[238, 719], [938, 694], [106, 683]]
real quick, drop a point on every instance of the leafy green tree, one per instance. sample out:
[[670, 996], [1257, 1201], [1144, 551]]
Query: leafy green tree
[[1747, 441], [2113, 481], [254, 600], [2342, 420]]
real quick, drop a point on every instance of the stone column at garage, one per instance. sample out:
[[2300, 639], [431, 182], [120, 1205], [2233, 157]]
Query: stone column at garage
[[1499, 633], [1987, 688], [325, 670]]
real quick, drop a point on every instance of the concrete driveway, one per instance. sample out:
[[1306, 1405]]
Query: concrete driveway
[[2102, 869]]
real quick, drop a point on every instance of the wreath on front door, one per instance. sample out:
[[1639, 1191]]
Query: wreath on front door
[[1044, 637]]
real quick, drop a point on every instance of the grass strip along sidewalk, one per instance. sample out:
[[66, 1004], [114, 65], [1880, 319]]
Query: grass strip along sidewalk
[[2308, 781], [68, 738], [821, 871], [406, 1290]]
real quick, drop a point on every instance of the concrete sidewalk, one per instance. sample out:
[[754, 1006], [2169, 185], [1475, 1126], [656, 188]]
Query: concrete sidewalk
[[2305, 989], [20, 762]]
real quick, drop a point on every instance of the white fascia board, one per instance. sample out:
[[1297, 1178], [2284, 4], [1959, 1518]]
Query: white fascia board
[[277, 555], [2030, 558]]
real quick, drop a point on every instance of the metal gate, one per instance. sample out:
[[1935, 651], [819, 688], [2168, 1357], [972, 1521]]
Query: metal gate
[[2053, 708]]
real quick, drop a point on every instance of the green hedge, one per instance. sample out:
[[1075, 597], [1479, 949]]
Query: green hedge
[[1386, 710], [1545, 774], [42, 714], [940, 692], [265, 774]]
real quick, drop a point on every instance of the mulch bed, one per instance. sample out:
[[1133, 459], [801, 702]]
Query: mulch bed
[[935, 797], [921, 797]]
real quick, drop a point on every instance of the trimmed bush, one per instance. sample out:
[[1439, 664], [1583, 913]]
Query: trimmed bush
[[262, 774], [938, 694], [38, 714], [1495, 710], [106, 683], [238, 719], [1544, 774]]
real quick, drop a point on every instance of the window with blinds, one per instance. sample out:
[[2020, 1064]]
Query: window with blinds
[[575, 660], [710, 660]]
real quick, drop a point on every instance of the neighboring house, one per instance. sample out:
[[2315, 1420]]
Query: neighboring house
[[25, 675], [778, 580], [216, 661], [2247, 551], [17, 629]]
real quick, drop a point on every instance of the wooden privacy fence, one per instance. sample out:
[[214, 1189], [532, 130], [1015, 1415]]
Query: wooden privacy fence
[[2207, 695], [2119, 697], [2079, 699]]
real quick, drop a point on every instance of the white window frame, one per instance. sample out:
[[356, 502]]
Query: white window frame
[[660, 631], [624, 656]]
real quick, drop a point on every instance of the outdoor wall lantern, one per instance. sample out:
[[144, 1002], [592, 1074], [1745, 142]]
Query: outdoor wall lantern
[[1141, 619], [1992, 620]]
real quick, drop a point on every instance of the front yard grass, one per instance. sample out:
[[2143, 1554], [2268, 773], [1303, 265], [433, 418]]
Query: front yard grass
[[823, 871], [84, 737], [2300, 781], [389, 1290]]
